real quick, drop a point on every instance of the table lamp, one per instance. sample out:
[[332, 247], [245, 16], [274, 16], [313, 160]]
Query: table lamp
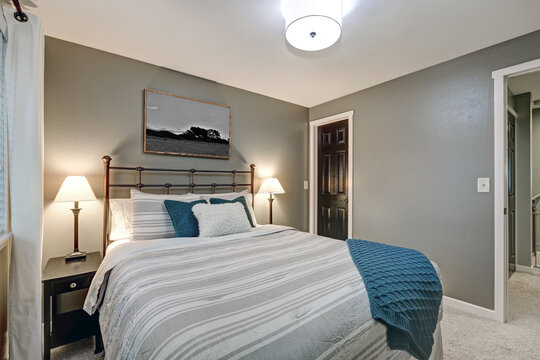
[[75, 188], [271, 186]]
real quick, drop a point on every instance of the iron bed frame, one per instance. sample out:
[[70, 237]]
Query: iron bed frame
[[191, 186]]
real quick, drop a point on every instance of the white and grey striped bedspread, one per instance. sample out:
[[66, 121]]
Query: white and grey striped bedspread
[[274, 293]]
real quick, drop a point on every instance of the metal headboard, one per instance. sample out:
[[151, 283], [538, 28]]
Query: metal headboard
[[167, 186]]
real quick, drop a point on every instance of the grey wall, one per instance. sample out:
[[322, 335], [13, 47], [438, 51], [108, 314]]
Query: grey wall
[[420, 142], [94, 106], [535, 160], [510, 98], [522, 105], [535, 139]]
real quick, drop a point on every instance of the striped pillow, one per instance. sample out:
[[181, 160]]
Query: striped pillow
[[149, 216]]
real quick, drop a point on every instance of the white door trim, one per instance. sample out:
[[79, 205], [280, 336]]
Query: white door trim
[[313, 125], [501, 180]]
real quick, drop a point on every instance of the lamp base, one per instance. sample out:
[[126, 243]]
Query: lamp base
[[270, 200], [76, 256]]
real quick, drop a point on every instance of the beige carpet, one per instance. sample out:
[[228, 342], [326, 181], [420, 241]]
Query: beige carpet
[[469, 338], [464, 337], [80, 350]]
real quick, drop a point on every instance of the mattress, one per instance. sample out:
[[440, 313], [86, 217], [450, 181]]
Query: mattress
[[272, 293]]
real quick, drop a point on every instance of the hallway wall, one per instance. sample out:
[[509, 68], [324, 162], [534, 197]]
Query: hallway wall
[[535, 161], [535, 156], [522, 105]]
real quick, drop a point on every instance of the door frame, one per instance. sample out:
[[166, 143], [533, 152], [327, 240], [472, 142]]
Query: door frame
[[313, 179], [500, 183]]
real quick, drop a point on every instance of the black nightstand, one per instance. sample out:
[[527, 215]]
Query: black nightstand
[[60, 277]]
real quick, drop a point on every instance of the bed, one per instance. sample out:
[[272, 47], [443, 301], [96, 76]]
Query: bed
[[270, 293]]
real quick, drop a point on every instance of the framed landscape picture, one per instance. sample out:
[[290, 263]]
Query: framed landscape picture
[[177, 125]]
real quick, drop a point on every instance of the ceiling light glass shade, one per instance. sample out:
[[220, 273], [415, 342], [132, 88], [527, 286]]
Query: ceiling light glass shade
[[312, 25]]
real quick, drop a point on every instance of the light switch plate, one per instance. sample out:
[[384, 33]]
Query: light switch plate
[[482, 185], [306, 185]]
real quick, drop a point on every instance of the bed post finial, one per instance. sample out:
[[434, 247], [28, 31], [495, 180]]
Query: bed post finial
[[106, 165], [252, 166]]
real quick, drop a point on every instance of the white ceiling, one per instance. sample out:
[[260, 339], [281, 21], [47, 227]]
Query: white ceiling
[[241, 42], [526, 83]]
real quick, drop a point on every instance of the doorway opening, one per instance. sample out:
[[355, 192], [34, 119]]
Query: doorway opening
[[513, 178], [523, 132], [331, 176]]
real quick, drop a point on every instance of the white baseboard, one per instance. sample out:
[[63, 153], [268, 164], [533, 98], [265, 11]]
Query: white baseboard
[[469, 308], [528, 269]]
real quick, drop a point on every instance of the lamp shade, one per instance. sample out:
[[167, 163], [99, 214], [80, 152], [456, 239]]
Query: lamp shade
[[271, 185], [75, 188], [312, 25]]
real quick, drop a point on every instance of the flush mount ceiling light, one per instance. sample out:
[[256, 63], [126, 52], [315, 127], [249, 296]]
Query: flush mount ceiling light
[[312, 25]]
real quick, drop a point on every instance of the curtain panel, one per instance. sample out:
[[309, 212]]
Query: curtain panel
[[22, 115]]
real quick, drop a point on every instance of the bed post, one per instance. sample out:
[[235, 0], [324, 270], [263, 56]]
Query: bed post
[[106, 164], [252, 166]]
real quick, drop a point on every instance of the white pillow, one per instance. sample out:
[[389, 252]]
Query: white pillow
[[120, 213], [231, 196], [178, 197], [149, 216], [221, 219]]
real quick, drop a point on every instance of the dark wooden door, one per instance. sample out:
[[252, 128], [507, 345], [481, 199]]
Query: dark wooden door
[[511, 194], [332, 192]]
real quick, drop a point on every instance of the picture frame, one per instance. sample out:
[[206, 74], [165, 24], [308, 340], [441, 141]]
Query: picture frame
[[182, 126]]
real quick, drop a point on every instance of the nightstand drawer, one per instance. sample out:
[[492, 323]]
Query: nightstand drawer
[[72, 284]]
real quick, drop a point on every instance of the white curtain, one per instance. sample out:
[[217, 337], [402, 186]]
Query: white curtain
[[22, 82]]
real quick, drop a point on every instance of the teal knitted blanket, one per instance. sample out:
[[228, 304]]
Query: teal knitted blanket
[[404, 293]]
